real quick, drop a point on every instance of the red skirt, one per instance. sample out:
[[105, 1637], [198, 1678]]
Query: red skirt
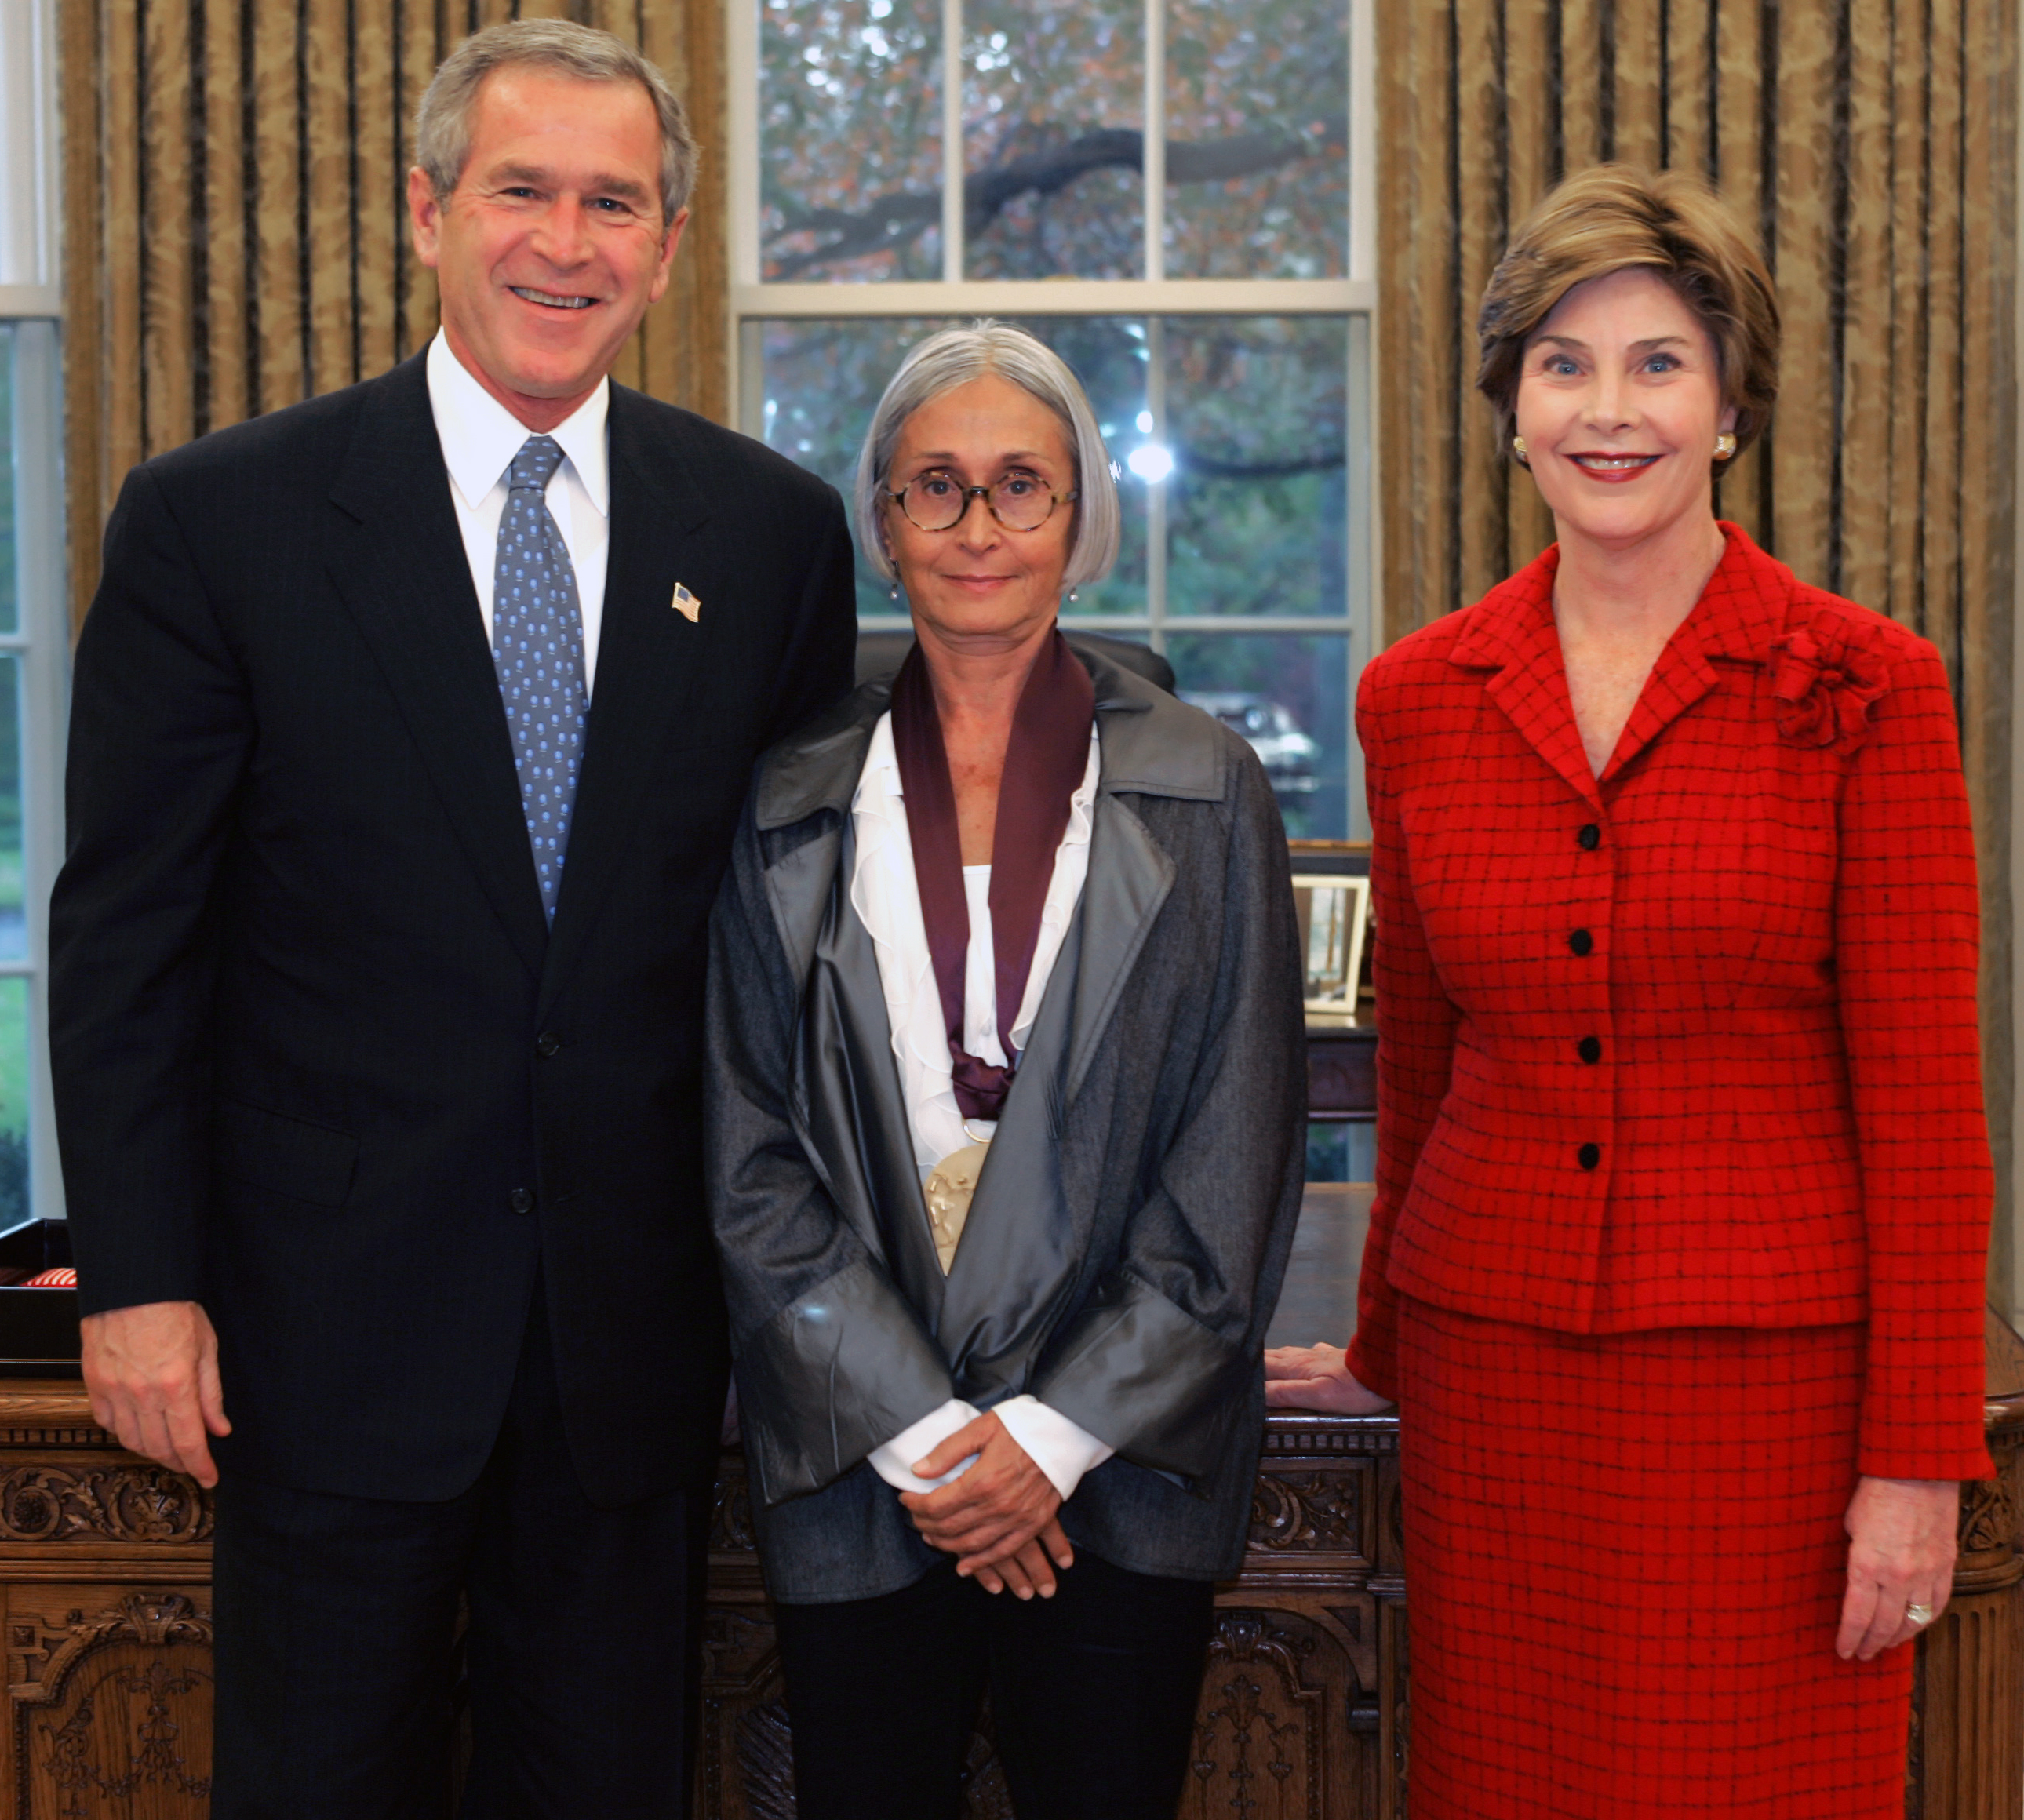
[[1624, 1569]]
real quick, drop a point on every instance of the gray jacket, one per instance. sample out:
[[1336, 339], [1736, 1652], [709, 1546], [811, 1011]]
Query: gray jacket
[[1126, 1241]]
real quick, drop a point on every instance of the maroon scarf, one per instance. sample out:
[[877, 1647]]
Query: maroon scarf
[[1044, 762]]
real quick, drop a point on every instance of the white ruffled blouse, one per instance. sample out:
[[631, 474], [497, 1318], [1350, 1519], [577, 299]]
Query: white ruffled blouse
[[884, 894]]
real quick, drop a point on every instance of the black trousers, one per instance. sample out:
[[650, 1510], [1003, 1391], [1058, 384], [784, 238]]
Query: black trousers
[[335, 1626], [1093, 1695]]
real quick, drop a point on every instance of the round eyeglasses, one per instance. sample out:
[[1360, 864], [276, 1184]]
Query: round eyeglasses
[[936, 501]]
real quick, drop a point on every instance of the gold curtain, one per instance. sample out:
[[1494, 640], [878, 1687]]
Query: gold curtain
[[1873, 142], [235, 176]]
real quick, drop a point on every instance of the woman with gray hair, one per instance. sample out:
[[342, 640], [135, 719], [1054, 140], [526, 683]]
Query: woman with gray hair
[[1005, 1142]]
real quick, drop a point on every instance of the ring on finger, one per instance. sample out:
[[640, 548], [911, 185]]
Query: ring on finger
[[1918, 1614]]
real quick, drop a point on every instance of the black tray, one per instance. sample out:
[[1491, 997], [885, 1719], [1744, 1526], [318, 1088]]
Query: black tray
[[38, 1327]]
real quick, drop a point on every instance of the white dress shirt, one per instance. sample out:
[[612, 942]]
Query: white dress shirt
[[480, 437], [887, 899]]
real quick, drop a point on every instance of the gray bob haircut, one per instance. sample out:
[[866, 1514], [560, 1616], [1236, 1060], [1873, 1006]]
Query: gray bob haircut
[[442, 123], [954, 357]]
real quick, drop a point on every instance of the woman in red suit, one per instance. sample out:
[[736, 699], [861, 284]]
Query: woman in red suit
[[1675, 1267]]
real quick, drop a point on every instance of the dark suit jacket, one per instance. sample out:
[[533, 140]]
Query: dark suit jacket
[[320, 1063]]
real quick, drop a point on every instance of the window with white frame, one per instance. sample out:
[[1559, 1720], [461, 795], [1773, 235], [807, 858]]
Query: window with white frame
[[1174, 194], [34, 646]]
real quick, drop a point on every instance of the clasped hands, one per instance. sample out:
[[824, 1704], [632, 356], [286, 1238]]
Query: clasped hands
[[1900, 1531], [1000, 1519]]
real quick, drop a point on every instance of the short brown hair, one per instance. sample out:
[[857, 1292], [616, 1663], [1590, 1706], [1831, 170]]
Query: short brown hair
[[1610, 218], [442, 123]]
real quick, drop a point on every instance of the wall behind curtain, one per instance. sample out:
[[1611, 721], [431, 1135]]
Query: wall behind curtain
[[235, 215], [1873, 144]]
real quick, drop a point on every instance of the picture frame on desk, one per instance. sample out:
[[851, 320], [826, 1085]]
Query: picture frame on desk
[[1334, 912]]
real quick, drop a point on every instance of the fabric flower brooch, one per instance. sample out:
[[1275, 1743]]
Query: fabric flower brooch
[[1823, 683]]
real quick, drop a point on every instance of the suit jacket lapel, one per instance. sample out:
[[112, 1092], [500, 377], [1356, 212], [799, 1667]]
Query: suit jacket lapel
[[397, 558], [1147, 748], [1741, 609], [1512, 631], [1681, 677], [844, 1099], [1129, 878], [649, 658], [869, 1135]]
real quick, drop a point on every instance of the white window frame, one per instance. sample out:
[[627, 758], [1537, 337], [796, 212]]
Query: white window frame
[[1153, 297], [30, 304]]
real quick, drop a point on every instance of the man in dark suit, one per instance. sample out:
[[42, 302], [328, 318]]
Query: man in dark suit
[[411, 727]]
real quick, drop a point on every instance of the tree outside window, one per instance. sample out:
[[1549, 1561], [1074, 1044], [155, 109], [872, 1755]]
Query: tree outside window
[[898, 165]]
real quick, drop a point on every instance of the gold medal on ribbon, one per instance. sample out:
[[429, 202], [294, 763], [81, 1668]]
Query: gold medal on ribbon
[[952, 1187]]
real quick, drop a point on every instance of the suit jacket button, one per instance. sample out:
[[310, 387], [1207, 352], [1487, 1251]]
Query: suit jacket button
[[1589, 1049], [1589, 1155], [1589, 837], [1581, 942], [547, 1043], [521, 1200]]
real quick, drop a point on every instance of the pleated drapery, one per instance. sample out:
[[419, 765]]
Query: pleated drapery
[[1873, 143], [235, 220]]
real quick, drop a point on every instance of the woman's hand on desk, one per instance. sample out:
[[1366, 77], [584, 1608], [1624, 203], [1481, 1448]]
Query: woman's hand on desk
[[1317, 1377], [1000, 1519]]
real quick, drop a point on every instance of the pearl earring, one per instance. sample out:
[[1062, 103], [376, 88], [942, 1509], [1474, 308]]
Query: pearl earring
[[1518, 449], [1724, 447], [1074, 593], [893, 592]]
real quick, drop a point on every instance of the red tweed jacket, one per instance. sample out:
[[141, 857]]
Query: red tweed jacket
[[1694, 1045]]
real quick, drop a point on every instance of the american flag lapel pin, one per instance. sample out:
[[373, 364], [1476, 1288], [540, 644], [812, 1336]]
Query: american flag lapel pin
[[686, 603]]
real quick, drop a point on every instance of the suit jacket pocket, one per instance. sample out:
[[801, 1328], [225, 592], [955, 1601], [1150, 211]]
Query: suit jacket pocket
[[286, 1155]]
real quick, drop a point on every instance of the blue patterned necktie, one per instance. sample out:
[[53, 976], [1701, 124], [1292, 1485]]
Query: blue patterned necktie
[[537, 648]]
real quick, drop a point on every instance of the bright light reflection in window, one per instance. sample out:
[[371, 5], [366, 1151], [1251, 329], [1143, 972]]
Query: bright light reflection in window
[[1151, 461]]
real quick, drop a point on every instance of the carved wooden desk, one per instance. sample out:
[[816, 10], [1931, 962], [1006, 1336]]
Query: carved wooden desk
[[104, 1564]]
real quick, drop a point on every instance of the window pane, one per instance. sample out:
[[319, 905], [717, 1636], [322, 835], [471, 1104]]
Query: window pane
[[821, 381], [1289, 696], [1341, 1153], [1108, 354], [1257, 416], [1257, 139], [28, 146], [850, 139], [13, 928], [1053, 106], [14, 1101], [10, 619]]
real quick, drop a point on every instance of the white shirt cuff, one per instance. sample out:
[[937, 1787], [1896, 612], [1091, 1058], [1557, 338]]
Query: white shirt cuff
[[894, 1460], [1060, 1449]]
